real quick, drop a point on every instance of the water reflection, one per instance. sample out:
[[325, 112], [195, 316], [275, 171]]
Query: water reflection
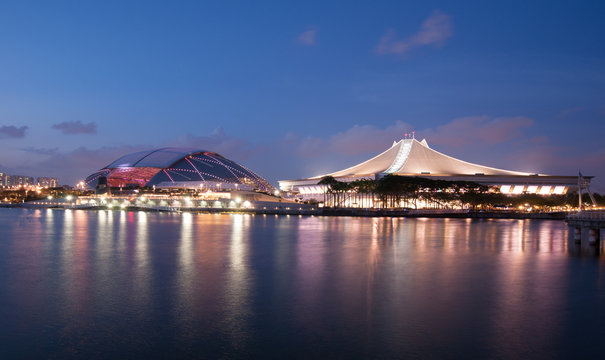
[[75, 264], [238, 283], [143, 272], [529, 287], [209, 285]]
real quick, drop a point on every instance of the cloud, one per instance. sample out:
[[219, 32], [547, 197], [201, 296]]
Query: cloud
[[77, 164], [458, 133], [359, 139], [41, 151], [473, 130], [309, 36], [310, 146], [218, 141], [75, 127], [435, 30], [552, 158], [71, 166], [567, 112], [502, 142], [367, 138], [12, 132]]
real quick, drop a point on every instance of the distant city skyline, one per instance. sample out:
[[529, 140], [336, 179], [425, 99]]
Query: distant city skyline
[[296, 91]]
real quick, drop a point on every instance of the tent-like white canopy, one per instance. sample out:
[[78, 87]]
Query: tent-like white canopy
[[413, 157], [410, 157]]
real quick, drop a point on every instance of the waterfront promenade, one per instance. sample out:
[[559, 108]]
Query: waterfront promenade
[[175, 204], [186, 204]]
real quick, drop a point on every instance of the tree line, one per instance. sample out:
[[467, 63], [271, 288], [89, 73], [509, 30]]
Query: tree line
[[395, 191]]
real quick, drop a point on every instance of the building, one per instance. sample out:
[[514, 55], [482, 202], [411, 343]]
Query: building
[[410, 157], [178, 168], [47, 182], [13, 181]]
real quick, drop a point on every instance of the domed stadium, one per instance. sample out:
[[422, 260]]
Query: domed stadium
[[178, 167]]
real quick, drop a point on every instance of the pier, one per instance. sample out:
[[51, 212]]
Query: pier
[[587, 228]]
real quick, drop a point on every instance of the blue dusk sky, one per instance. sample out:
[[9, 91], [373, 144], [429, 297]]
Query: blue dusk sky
[[295, 89]]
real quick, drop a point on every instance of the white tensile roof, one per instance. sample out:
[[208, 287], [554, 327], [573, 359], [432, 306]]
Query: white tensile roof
[[413, 157]]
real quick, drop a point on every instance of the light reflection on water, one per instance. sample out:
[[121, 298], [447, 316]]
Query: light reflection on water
[[111, 284]]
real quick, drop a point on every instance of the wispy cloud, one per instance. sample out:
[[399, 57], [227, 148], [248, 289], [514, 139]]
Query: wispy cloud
[[41, 151], [76, 127], [504, 142], [435, 30], [12, 132], [309, 36], [567, 112], [477, 130], [358, 139], [74, 165], [218, 142]]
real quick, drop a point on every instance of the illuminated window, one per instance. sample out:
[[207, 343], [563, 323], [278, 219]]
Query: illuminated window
[[559, 190], [545, 190], [518, 189], [505, 189], [532, 189]]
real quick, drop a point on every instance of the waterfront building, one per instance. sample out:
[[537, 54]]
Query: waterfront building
[[410, 157], [178, 168]]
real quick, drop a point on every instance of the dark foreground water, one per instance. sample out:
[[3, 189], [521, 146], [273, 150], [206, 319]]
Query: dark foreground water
[[88, 284]]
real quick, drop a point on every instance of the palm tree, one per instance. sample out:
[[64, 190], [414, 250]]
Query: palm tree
[[330, 183]]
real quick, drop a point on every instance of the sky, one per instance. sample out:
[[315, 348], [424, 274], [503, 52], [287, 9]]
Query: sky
[[297, 89]]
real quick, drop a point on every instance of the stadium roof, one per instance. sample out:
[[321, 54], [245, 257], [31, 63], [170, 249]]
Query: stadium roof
[[413, 157], [161, 158], [178, 167], [410, 157]]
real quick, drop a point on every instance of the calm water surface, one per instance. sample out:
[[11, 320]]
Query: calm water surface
[[108, 284]]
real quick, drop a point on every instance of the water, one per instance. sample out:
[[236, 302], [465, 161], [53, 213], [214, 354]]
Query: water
[[102, 284]]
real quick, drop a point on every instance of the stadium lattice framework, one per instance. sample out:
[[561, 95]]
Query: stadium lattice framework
[[410, 157], [178, 168]]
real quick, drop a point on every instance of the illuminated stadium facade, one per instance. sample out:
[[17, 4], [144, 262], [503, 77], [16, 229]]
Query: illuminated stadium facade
[[178, 168], [410, 157]]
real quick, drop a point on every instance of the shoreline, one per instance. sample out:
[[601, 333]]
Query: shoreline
[[456, 214], [420, 213]]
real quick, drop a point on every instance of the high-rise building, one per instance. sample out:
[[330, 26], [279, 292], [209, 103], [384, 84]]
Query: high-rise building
[[17, 180]]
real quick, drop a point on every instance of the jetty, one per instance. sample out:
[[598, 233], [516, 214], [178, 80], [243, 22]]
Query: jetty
[[588, 226]]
